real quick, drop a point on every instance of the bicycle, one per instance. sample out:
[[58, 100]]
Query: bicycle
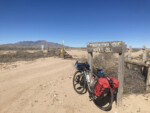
[[82, 78]]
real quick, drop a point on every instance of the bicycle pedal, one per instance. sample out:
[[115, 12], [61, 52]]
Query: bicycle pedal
[[91, 98]]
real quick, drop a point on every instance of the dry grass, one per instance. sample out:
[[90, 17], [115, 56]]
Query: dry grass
[[26, 55], [134, 80], [108, 62], [20, 55], [54, 52], [6, 47]]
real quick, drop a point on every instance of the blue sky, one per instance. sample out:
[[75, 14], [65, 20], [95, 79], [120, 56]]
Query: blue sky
[[75, 21]]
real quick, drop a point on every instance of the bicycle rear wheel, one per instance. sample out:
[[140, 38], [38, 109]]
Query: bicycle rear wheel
[[105, 102]]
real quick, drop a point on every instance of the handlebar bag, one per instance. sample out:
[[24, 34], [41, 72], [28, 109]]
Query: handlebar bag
[[81, 66]]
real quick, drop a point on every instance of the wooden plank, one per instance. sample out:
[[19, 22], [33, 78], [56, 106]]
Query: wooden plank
[[136, 63], [105, 44], [115, 46], [120, 77], [148, 80], [62, 52]]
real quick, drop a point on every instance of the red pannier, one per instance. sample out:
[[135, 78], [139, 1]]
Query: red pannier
[[115, 83], [103, 83]]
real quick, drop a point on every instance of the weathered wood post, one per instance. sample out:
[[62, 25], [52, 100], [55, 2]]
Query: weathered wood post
[[129, 56], [62, 50], [121, 75], [90, 59], [90, 56], [144, 60], [144, 54], [148, 80], [48, 50], [114, 47]]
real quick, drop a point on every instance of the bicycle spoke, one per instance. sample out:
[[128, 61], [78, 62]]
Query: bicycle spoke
[[79, 83]]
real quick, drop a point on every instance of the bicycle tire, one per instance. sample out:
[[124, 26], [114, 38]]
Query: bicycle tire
[[84, 88], [110, 102]]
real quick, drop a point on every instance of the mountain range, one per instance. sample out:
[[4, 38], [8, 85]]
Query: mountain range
[[35, 43]]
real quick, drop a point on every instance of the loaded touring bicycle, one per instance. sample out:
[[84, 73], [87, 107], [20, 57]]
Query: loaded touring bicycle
[[101, 88]]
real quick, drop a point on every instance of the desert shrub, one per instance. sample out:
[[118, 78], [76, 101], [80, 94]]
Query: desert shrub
[[20, 55], [23, 55], [107, 62], [138, 57], [57, 52], [6, 58], [134, 81], [8, 47], [82, 59], [28, 56], [54, 52], [136, 49]]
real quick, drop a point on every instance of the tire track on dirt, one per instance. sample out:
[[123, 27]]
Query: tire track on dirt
[[46, 73]]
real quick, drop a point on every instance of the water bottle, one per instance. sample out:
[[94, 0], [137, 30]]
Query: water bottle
[[88, 78], [92, 81]]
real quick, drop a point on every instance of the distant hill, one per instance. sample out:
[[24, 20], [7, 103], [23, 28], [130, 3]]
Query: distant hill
[[35, 43]]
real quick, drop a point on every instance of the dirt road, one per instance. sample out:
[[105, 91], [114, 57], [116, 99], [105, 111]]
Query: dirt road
[[45, 86]]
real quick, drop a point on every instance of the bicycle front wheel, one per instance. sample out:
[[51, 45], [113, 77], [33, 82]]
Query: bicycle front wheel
[[79, 83]]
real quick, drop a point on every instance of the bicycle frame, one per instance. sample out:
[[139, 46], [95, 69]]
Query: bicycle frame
[[89, 85], [85, 73]]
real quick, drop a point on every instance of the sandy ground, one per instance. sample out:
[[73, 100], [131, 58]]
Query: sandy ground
[[78, 53], [45, 86]]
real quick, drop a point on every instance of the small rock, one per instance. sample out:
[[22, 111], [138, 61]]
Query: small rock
[[55, 95], [139, 110], [36, 101]]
